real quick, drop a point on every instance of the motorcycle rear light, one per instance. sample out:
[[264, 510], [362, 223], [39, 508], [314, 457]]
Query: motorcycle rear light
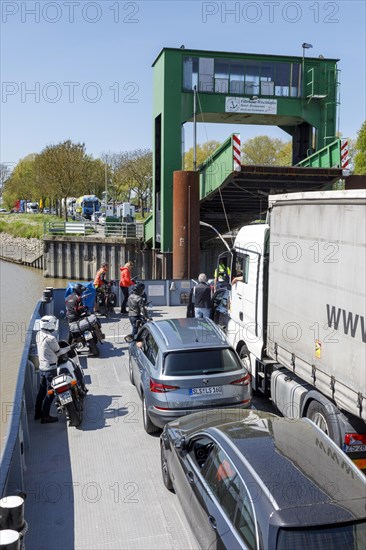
[[355, 439], [74, 382], [61, 389], [50, 392], [245, 381], [161, 388]]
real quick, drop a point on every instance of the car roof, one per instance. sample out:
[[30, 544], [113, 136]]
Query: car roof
[[187, 333], [296, 464]]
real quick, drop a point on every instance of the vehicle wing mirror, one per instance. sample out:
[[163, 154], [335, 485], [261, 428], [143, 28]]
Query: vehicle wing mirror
[[181, 443]]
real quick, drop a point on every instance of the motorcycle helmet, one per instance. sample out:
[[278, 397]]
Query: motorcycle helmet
[[48, 322], [139, 289], [79, 289]]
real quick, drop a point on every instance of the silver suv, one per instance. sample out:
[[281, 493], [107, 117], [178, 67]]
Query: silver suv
[[180, 366]]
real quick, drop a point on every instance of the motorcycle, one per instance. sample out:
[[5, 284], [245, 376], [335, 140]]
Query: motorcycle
[[106, 298], [87, 332], [68, 385]]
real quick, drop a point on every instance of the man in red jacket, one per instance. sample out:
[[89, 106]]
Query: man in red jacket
[[125, 282]]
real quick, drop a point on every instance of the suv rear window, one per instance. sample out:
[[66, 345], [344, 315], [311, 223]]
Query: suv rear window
[[198, 362]]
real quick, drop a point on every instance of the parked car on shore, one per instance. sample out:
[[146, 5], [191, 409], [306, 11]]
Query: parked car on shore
[[102, 218], [181, 366], [250, 479]]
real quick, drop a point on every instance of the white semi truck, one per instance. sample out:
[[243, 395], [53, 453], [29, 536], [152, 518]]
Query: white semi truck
[[297, 317]]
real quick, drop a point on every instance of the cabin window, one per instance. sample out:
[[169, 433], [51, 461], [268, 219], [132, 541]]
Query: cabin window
[[242, 266]]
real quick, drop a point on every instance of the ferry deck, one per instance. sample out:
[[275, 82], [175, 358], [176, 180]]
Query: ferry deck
[[99, 486]]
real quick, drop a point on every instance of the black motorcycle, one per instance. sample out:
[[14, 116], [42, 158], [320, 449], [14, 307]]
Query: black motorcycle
[[68, 385], [87, 331], [106, 299]]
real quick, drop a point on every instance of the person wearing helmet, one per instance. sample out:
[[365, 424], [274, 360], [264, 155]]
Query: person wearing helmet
[[48, 350], [74, 303], [136, 306]]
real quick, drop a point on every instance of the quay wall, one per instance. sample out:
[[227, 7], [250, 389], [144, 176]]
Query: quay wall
[[78, 258]]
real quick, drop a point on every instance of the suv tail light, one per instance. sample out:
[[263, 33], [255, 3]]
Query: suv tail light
[[245, 381], [161, 388], [355, 439]]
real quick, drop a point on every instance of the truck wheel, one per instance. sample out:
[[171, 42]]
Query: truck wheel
[[150, 428], [245, 358], [325, 419]]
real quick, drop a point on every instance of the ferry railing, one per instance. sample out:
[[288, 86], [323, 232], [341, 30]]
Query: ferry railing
[[12, 460]]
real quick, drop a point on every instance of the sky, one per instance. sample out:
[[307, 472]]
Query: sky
[[81, 70]]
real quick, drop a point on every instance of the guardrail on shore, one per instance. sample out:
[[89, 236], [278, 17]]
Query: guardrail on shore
[[109, 229]]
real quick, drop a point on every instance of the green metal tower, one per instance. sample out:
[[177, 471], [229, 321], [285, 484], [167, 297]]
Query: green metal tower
[[297, 94]]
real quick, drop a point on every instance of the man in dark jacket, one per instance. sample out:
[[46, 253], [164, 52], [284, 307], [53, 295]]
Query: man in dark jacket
[[202, 297], [136, 306], [74, 303]]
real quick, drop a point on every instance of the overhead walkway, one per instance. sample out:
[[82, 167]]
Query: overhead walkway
[[230, 198]]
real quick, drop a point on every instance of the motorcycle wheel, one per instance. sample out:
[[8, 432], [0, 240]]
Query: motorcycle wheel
[[107, 310], [74, 411], [94, 350]]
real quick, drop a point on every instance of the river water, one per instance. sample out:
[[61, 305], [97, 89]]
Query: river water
[[20, 289]]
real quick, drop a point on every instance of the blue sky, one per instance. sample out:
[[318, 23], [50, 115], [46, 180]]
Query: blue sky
[[86, 61]]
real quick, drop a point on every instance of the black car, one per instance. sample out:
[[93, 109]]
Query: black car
[[250, 479]]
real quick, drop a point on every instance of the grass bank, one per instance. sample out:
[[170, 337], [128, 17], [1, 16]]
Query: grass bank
[[27, 226]]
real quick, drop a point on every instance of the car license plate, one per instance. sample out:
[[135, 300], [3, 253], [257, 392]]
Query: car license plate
[[354, 448], [203, 392], [88, 335], [65, 397]]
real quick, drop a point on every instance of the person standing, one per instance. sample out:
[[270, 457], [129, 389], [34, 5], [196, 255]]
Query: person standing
[[222, 275], [100, 282], [136, 306], [125, 283], [202, 297], [48, 350]]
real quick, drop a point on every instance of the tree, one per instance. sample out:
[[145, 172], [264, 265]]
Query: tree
[[22, 183], [4, 174], [135, 171], [360, 151], [202, 153], [266, 151], [117, 188], [65, 167]]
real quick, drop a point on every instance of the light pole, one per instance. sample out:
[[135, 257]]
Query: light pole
[[217, 233], [305, 46]]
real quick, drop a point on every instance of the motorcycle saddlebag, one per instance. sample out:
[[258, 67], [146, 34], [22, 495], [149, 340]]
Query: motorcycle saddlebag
[[83, 325]]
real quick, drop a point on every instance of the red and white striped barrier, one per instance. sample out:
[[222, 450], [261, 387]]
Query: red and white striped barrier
[[344, 154], [236, 152]]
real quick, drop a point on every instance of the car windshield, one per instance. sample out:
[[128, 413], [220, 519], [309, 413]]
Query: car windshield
[[351, 536], [198, 362]]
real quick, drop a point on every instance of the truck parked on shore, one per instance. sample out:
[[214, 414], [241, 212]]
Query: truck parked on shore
[[86, 206], [297, 312]]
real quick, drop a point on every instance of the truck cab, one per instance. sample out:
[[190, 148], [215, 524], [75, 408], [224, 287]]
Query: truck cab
[[246, 328]]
